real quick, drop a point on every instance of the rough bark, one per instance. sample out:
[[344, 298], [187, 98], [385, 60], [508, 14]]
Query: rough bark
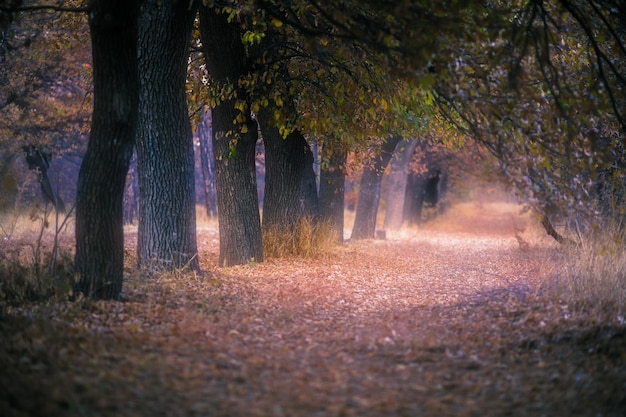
[[235, 180], [290, 184], [235, 174], [369, 190], [397, 181], [332, 188], [165, 162], [99, 259]]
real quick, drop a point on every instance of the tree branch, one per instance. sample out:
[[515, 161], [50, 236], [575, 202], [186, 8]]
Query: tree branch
[[44, 7]]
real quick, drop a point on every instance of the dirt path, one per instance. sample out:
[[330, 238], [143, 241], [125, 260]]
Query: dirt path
[[441, 322]]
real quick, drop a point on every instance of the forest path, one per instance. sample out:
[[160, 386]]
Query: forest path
[[439, 321], [381, 327]]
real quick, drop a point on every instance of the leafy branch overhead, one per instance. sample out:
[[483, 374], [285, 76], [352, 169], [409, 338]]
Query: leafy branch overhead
[[341, 55], [546, 96], [336, 82]]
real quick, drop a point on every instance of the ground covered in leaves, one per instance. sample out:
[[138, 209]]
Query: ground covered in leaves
[[443, 320]]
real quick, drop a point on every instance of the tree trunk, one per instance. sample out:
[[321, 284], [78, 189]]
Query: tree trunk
[[99, 258], [442, 201], [235, 173], [235, 183], [167, 216], [332, 187], [290, 184], [131, 193], [369, 190], [208, 166], [414, 198], [399, 171]]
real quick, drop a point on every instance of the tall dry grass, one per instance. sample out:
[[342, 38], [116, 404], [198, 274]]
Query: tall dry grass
[[591, 276], [309, 239], [36, 261], [22, 282]]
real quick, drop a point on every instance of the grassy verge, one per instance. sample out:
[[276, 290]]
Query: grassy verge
[[591, 276]]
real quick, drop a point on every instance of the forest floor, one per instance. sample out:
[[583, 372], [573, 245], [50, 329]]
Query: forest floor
[[445, 320]]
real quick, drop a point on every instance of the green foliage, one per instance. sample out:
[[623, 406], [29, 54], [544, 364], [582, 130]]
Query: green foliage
[[321, 80]]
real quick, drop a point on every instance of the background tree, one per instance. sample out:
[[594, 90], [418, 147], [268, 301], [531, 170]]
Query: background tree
[[207, 163], [332, 185], [397, 183], [370, 189]]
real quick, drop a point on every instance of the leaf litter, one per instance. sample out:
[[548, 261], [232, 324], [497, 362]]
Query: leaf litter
[[435, 322]]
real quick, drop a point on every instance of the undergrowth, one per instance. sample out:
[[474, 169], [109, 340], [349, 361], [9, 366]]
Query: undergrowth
[[310, 238], [34, 266], [23, 282], [591, 275]]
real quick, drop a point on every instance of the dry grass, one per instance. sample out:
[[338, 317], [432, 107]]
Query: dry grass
[[490, 218], [203, 221], [26, 244], [591, 276], [310, 239], [24, 279]]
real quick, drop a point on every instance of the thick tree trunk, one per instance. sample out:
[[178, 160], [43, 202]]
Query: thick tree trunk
[[99, 258], [332, 188], [369, 190], [235, 181], [208, 165], [167, 219], [397, 181], [290, 185], [235, 174]]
